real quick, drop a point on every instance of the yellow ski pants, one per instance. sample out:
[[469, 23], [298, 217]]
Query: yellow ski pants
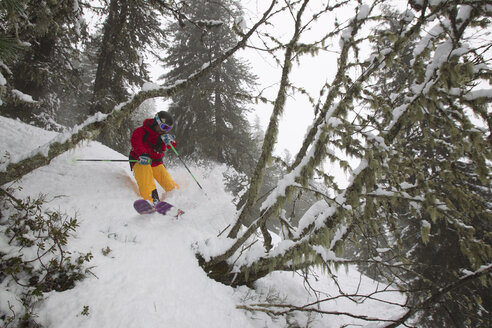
[[145, 175]]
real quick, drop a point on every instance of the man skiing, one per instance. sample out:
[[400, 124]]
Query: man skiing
[[149, 142]]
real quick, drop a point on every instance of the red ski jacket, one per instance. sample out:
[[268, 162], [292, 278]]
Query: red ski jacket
[[146, 141]]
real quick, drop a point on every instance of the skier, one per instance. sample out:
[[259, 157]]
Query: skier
[[149, 142]]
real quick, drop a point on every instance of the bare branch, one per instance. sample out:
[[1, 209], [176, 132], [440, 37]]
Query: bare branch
[[485, 270]]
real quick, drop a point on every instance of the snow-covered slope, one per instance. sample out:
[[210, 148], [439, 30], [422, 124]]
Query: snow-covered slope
[[150, 277]]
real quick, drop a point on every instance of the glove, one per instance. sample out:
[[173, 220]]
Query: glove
[[144, 160], [167, 139]]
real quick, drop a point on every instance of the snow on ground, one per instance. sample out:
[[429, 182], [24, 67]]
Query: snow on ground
[[150, 277]]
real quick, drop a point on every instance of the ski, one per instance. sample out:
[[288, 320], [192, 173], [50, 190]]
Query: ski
[[165, 208], [144, 207]]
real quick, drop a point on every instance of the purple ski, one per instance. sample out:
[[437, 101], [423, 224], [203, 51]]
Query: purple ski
[[144, 207]]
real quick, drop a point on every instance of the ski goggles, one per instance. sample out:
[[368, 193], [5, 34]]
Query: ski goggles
[[163, 126]]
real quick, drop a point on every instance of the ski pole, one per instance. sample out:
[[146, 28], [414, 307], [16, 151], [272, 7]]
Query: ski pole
[[104, 160], [185, 166]]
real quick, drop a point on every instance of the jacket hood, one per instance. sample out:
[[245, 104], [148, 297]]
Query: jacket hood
[[147, 124]]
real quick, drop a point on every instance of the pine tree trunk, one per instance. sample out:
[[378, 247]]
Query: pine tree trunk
[[219, 119], [222, 272], [107, 88]]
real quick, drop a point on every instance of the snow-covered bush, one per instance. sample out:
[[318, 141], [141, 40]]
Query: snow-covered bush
[[34, 258]]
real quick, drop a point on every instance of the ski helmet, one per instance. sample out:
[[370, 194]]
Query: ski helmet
[[164, 121]]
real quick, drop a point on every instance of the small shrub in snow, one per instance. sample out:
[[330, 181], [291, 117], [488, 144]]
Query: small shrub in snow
[[34, 258]]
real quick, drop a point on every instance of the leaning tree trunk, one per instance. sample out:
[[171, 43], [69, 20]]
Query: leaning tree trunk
[[221, 267], [272, 130]]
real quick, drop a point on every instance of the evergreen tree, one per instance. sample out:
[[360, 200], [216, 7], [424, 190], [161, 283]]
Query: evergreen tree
[[210, 116], [431, 237], [44, 68], [131, 28], [11, 15], [10, 45], [128, 29], [75, 103]]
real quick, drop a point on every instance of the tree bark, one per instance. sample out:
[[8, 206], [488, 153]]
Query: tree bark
[[105, 85]]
